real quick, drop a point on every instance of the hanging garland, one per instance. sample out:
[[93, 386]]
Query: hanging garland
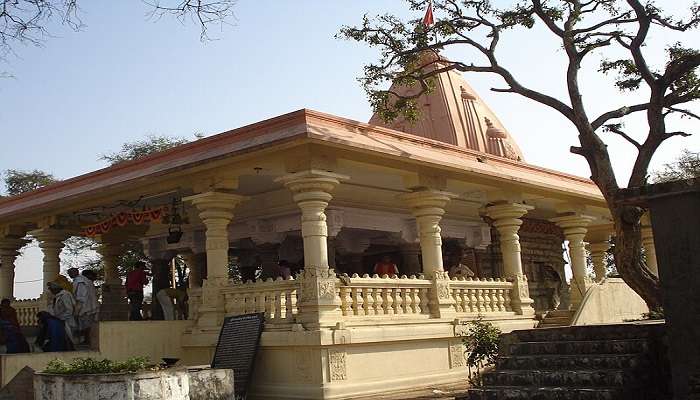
[[125, 218]]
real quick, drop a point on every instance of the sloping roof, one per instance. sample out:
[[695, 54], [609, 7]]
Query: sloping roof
[[311, 126]]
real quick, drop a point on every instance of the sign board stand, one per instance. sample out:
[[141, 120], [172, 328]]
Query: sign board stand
[[237, 347]]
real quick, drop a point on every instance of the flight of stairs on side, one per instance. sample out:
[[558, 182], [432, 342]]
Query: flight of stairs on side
[[556, 318], [599, 362]]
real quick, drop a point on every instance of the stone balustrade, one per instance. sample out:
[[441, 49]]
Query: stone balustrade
[[481, 296], [375, 297], [368, 297], [26, 311], [276, 298]]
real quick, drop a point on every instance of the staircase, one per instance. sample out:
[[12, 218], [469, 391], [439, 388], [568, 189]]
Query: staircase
[[556, 318], [599, 362]]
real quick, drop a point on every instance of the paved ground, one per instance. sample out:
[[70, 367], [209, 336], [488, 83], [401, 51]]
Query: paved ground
[[438, 392]]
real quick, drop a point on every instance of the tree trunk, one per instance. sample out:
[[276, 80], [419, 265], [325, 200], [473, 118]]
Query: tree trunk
[[628, 254]]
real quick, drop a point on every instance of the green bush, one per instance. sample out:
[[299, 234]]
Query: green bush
[[79, 366], [481, 347], [655, 314]]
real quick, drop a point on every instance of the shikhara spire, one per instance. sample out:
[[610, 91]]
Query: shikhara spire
[[454, 113]]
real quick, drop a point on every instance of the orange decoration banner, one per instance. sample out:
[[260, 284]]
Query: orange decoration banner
[[125, 218]]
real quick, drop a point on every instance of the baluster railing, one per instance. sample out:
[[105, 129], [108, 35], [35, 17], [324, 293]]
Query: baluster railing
[[481, 296], [277, 299]]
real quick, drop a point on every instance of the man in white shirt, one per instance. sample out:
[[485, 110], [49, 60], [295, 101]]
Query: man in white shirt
[[64, 309], [86, 302]]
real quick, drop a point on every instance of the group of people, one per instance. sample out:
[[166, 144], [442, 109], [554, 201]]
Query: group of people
[[170, 299], [456, 269], [71, 314]]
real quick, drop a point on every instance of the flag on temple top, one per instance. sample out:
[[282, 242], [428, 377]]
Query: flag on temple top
[[428, 19]]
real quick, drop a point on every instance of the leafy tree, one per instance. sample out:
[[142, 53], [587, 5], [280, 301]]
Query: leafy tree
[[141, 148], [409, 56], [685, 167], [18, 182]]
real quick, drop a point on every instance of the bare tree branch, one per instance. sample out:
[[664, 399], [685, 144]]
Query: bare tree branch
[[617, 129]]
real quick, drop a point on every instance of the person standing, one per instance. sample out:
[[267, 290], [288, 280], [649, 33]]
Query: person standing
[[64, 309], [284, 270], [166, 298], [386, 267], [136, 279], [8, 313], [86, 305]]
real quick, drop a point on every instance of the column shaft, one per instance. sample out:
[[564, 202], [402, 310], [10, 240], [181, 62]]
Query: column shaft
[[648, 244], [311, 190], [110, 257], [575, 228], [507, 221], [428, 206], [598, 251], [51, 244], [216, 211], [9, 250]]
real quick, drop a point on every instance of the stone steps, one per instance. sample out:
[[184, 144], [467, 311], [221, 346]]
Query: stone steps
[[595, 361], [561, 378], [589, 332], [556, 318], [602, 362], [617, 346], [518, 393]]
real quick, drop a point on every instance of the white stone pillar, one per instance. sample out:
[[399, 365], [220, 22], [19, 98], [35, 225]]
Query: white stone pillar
[[575, 228], [428, 207], [114, 305], [312, 191], [507, 221], [110, 253], [51, 244], [598, 250], [648, 244], [9, 250], [216, 211]]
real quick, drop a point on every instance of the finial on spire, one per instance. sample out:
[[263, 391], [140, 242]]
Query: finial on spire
[[466, 95], [494, 132]]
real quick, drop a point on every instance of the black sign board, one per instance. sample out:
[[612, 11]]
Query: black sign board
[[237, 347]]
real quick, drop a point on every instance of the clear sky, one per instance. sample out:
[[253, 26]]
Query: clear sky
[[123, 77]]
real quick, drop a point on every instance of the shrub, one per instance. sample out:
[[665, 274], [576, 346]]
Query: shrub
[[656, 314], [79, 366], [481, 343]]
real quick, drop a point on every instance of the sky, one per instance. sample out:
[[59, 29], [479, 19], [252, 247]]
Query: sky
[[124, 76]]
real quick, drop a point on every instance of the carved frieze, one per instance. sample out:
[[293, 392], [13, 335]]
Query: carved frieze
[[302, 359], [336, 365], [457, 359]]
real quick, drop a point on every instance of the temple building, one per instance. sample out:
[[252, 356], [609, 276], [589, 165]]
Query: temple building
[[474, 230]]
